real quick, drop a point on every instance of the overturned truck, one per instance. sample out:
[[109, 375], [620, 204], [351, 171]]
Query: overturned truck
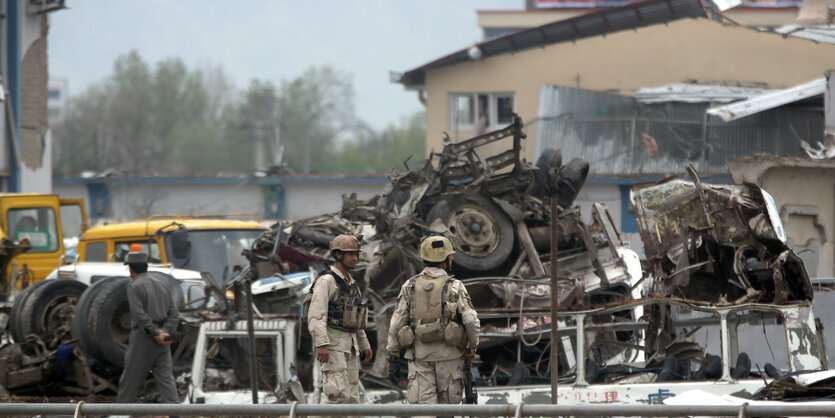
[[496, 211], [723, 304], [720, 276]]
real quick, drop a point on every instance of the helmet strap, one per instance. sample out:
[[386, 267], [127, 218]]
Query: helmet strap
[[446, 265], [339, 256]]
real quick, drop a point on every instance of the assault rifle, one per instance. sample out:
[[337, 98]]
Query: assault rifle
[[470, 393]]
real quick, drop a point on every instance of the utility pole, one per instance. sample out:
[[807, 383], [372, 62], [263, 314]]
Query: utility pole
[[555, 358], [260, 148]]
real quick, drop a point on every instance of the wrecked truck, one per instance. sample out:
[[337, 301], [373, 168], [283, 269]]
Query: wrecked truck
[[725, 308], [496, 210], [719, 273], [624, 336]]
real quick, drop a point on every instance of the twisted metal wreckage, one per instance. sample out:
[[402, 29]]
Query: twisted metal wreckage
[[717, 257], [719, 274]]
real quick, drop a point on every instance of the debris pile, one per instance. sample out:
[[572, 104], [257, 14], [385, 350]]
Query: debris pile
[[496, 212]]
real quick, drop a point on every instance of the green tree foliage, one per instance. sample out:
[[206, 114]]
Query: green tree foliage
[[144, 120], [314, 110], [166, 119], [373, 152]]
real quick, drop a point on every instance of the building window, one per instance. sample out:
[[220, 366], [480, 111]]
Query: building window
[[481, 112]]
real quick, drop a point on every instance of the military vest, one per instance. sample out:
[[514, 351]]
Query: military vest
[[349, 312]]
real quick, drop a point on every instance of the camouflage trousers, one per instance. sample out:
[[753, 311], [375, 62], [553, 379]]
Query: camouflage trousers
[[435, 382], [340, 378]]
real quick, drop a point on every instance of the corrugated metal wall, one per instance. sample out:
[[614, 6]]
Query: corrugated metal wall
[[610, 130]]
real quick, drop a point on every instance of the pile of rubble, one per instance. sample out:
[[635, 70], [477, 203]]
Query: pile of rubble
[[496, 211], [708, 247], [717, 264]]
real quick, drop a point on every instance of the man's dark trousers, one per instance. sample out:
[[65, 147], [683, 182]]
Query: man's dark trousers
[[145, 354]]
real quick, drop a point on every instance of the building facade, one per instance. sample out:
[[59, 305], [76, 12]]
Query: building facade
[[466, 92], [26, 150]]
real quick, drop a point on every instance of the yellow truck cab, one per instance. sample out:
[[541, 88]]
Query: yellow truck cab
[[211, 243], [34, 227]]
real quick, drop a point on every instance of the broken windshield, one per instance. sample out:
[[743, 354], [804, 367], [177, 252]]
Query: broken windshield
[[216, 251]]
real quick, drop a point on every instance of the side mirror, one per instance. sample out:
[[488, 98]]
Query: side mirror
[[180, 244]]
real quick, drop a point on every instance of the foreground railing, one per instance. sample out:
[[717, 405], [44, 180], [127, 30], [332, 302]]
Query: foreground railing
[[402, 410]]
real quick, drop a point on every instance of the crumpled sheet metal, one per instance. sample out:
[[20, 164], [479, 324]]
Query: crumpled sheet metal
[[717, 243]]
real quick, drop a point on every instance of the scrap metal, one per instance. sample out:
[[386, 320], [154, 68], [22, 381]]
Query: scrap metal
[[496, 210]]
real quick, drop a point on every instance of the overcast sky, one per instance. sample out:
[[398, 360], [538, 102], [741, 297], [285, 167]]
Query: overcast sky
[[271, 40]]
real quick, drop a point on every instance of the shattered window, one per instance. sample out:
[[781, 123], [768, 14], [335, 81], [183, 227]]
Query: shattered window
[[693, 348], [227, 364], [218, 252], [615, 351], [762, 342], [757, 344]]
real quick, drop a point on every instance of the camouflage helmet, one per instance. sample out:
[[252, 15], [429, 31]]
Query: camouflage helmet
[[435, 249], [345, 243]]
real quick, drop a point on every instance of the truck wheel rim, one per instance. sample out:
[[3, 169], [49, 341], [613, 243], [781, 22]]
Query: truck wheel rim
[[476, 232]]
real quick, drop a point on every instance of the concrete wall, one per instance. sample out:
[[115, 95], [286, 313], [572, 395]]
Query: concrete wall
[[304, 200], [35, 150], [137, 198], [689, 49], [34, 172]]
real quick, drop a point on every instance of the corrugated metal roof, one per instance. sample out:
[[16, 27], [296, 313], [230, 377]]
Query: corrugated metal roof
[[697, 93], [769, 100], [609, 131], [817, 33], [602, 22]]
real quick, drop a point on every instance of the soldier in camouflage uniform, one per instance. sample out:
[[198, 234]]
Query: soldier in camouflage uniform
[[336, 320], [437, 326]]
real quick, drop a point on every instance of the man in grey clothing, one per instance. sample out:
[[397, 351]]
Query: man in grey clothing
[[153, 318]]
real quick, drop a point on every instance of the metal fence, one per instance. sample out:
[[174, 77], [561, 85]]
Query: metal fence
[[825, 409]]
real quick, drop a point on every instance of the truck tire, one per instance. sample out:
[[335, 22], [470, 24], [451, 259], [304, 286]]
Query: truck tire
[[549, 158], [108, 321], [549, 161], [482, 234], [81, 328], [15, 317], [50, 308], [177, 296], [571, 180]]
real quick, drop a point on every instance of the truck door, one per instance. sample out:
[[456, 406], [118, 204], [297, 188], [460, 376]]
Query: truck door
[[73, 217], [36, 219]]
